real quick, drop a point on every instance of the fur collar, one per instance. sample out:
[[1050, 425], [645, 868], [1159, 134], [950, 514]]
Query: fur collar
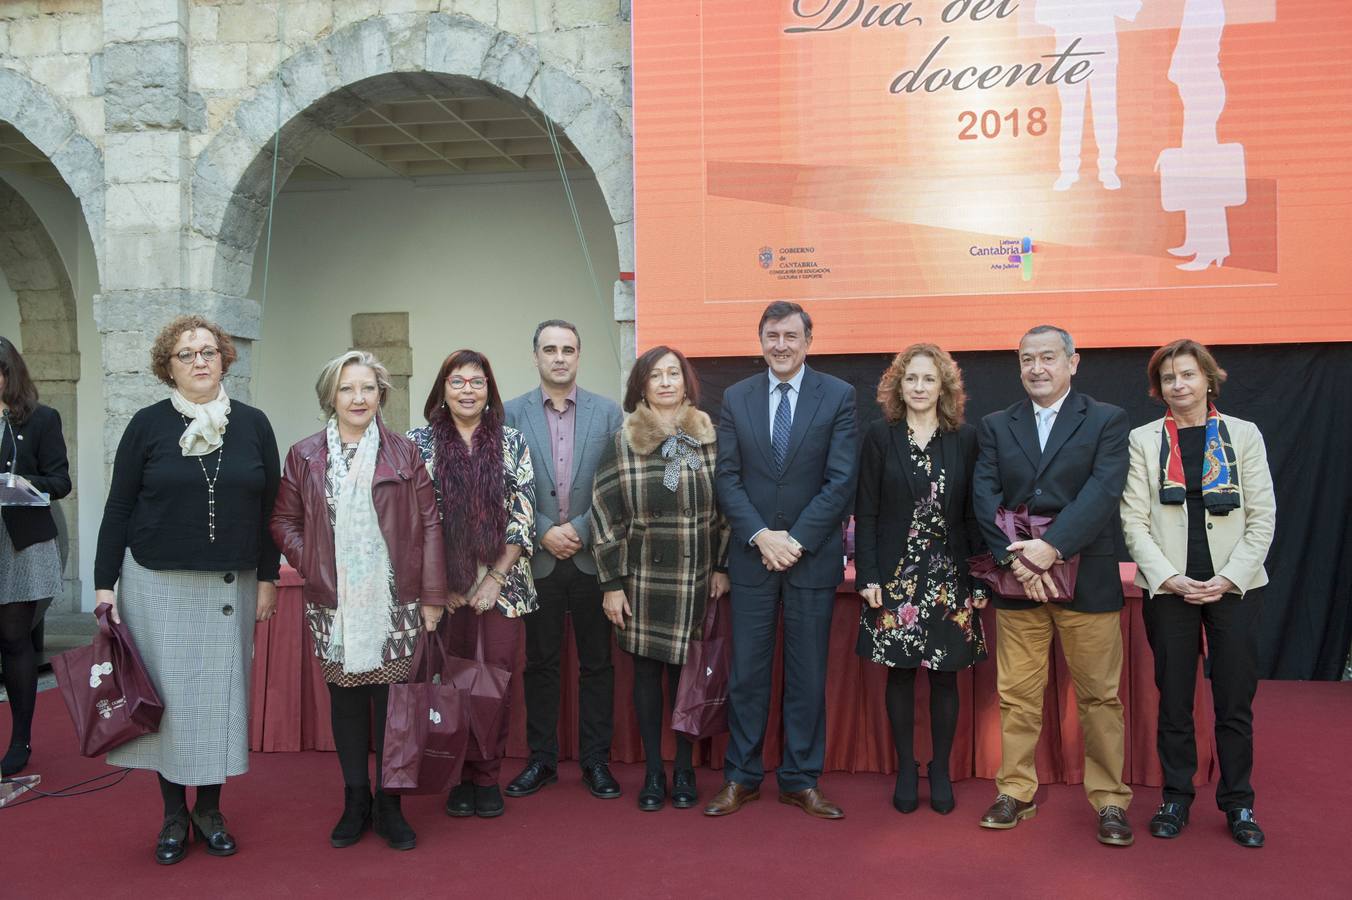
[[645, 431]]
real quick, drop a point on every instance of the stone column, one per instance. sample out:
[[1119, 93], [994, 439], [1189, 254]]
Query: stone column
[[386, 335], [150, 113]]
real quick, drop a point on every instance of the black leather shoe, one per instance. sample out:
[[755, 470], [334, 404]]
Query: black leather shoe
[[460, 802], [654, 794], [16, 759], [209, 826], [1244, 827], [532, 778], [683, 792], [1169, 820], [600, 782], [356, 817], [172, 844], [906, 795], [488, 801], [941, 789], [1113, 828], [390, 823]]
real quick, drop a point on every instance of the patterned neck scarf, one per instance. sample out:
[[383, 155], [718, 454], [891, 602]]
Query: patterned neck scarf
[[362, 619], [677, 449], [1220, 478]]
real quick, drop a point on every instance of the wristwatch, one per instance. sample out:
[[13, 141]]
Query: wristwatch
[[1007, 561]]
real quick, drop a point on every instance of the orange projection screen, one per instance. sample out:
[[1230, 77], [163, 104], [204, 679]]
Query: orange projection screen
[[958, 171]]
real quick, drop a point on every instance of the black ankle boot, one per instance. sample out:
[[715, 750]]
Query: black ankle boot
[[906, 796], [356, 816], [16, 759], [941, 789], [172, 844], [209, 826], [390, 823]]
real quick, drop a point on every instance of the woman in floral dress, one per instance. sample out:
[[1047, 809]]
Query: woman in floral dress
[[914, 530]]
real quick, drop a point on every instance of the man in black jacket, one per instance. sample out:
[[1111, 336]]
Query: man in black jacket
[[788, 456], [1061, 454]]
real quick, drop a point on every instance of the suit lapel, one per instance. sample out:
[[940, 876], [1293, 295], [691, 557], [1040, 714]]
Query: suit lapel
[[758, 412], [1024, 427], [535, 418], [809, 399], [581, 429], [1067, 421]]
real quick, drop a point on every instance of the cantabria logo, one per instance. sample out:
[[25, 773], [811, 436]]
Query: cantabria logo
[[1025, 259]]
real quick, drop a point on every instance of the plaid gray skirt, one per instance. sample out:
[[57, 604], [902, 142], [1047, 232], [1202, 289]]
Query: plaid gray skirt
[[194, 631], [33, 573]]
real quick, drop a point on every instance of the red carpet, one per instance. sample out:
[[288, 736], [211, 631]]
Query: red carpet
[[564, 843]]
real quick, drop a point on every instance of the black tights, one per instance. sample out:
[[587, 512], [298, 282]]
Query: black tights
[[352, 709], [650, 706], [175, 797], [20, 661], [943, 704]]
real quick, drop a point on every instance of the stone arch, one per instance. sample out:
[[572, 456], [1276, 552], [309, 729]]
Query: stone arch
[[31, 263], [324, 84], [48, 125]]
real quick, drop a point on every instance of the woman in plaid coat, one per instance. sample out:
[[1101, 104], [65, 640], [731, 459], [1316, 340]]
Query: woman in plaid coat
[[660, 545]]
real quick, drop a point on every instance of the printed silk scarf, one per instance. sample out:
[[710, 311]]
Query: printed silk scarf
[[676, 449], [361, 623], [1220, 480]]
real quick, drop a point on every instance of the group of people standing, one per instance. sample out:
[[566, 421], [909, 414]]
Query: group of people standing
[[495, 520]]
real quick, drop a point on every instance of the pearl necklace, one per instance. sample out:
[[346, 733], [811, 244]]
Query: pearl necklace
[[211, 488]]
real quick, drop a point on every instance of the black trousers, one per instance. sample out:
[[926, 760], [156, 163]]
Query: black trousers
[[568, 591], [1174, 628]]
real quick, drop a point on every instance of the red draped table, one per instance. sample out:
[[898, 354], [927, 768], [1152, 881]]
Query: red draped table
[[290, 708]]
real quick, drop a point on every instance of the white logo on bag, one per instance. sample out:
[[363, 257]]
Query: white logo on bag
[[708, 671], [97, 670], [107, 707], [434, 716]]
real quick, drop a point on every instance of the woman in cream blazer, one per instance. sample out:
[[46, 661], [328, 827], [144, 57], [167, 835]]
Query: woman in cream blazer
[[1198, 514]]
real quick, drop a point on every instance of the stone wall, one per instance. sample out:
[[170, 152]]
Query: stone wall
[[161, 116]]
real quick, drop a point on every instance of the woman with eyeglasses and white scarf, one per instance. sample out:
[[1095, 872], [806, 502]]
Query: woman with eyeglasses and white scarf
[[185, 541], [357, 516]]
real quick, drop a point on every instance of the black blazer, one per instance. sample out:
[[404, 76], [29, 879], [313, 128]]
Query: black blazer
[[809, 498], [41, 458], [885, 503], [1078, 479]]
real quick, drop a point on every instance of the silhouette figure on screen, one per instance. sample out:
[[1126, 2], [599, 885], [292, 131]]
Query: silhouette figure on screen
[[1204, 176], [1094, 24]]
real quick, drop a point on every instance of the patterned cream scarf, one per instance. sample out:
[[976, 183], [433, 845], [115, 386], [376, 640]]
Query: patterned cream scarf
[[206, 423], [361, 623]]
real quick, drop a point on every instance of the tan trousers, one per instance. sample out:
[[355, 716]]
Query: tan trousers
[[1093, 647]]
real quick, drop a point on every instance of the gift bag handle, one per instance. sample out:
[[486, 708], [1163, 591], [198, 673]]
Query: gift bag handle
[[429, 657]]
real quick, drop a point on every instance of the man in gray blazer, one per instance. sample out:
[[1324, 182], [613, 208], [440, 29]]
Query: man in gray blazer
[[567, 429]]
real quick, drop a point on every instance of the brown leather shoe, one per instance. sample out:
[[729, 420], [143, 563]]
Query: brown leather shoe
[[731, 798], [1113, 828], [813, 803], [1006, 812]]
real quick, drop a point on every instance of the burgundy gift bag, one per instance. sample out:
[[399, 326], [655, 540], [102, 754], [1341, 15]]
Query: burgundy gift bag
[[1020, 525], [426, 727], [486, 686], [700, 708], [107, 688]]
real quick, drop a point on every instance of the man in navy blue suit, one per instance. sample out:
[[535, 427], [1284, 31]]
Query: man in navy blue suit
[[788, 457]]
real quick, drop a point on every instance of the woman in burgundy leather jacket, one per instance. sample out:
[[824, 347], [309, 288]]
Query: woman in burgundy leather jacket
[[357, 516]]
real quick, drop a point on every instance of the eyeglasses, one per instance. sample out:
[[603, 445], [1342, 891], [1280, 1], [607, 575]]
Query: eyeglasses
[[457, 383], [187, 356]]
